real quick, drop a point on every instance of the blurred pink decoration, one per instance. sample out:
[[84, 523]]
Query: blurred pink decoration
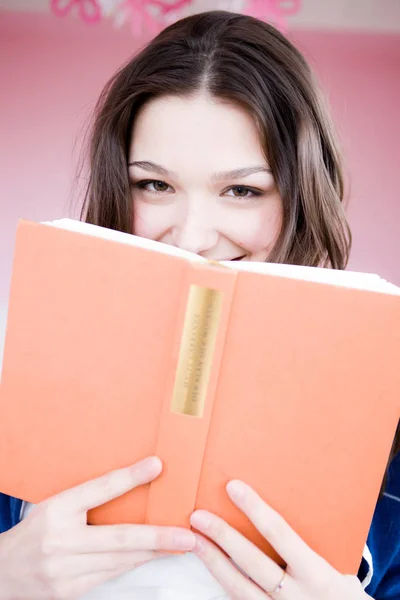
[[149, 16], [274, 11], [136, 12], [89, 10], [174, 12]]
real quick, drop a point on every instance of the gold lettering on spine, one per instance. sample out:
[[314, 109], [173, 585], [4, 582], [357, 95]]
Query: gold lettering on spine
[[200, 329]]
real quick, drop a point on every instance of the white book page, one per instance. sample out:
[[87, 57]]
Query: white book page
[[351, 279], [362, 281], [123, 238]]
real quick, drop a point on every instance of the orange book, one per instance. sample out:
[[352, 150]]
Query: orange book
[[286, 377]]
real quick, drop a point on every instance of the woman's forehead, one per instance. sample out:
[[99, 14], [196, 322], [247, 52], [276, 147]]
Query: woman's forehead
[[180, 130]]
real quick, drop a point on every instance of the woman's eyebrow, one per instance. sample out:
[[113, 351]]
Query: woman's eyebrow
[[147, 165], [239, 173]]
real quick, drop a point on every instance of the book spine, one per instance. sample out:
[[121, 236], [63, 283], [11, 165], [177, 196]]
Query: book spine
[[202, 325]]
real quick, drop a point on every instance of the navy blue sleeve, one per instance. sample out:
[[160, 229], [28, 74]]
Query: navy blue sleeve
[[389, 587], [10, 510], [384, 540]]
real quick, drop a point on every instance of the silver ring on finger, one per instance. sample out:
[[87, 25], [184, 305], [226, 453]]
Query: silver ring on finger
[[279, 587]]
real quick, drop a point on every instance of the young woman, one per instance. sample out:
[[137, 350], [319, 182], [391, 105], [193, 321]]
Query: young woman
[[215, 139]]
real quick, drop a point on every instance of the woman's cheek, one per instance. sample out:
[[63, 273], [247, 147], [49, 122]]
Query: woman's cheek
[[150, 220], [255, 229]]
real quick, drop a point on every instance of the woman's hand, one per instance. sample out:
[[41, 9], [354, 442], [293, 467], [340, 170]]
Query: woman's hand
[[307, 577], [53, 553]]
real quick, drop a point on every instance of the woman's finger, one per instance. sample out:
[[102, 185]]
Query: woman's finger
[[235, 583], [79, 565], [76, 588], [256, 565], [287, 543], [130, 538], [98, 491]]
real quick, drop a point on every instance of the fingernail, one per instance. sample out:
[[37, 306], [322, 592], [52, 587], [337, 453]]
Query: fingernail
[[184, 540], [200, 547], [152, 463], [200, 520], [236, 490]]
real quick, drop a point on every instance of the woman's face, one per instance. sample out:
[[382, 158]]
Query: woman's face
[[200, 181]]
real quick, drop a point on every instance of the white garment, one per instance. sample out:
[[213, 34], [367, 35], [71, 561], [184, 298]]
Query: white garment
[[179, 577]]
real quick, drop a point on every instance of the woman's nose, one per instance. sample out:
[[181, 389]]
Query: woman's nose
[[195, 235]]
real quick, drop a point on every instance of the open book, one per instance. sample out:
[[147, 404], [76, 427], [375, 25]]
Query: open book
[[119, 348], [362, 281]]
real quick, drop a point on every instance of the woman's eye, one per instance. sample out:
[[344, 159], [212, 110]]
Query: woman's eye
[[153, 185], [160, 186], [240, 191]]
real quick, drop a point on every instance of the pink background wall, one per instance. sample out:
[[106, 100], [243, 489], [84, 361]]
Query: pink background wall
[[55, 69]]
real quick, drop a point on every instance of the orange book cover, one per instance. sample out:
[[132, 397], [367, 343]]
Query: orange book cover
[[285, 377]]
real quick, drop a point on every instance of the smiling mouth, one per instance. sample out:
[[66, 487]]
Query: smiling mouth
[[239, 257]]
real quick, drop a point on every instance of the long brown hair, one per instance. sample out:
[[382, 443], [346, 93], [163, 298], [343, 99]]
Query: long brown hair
[[242, 60]]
